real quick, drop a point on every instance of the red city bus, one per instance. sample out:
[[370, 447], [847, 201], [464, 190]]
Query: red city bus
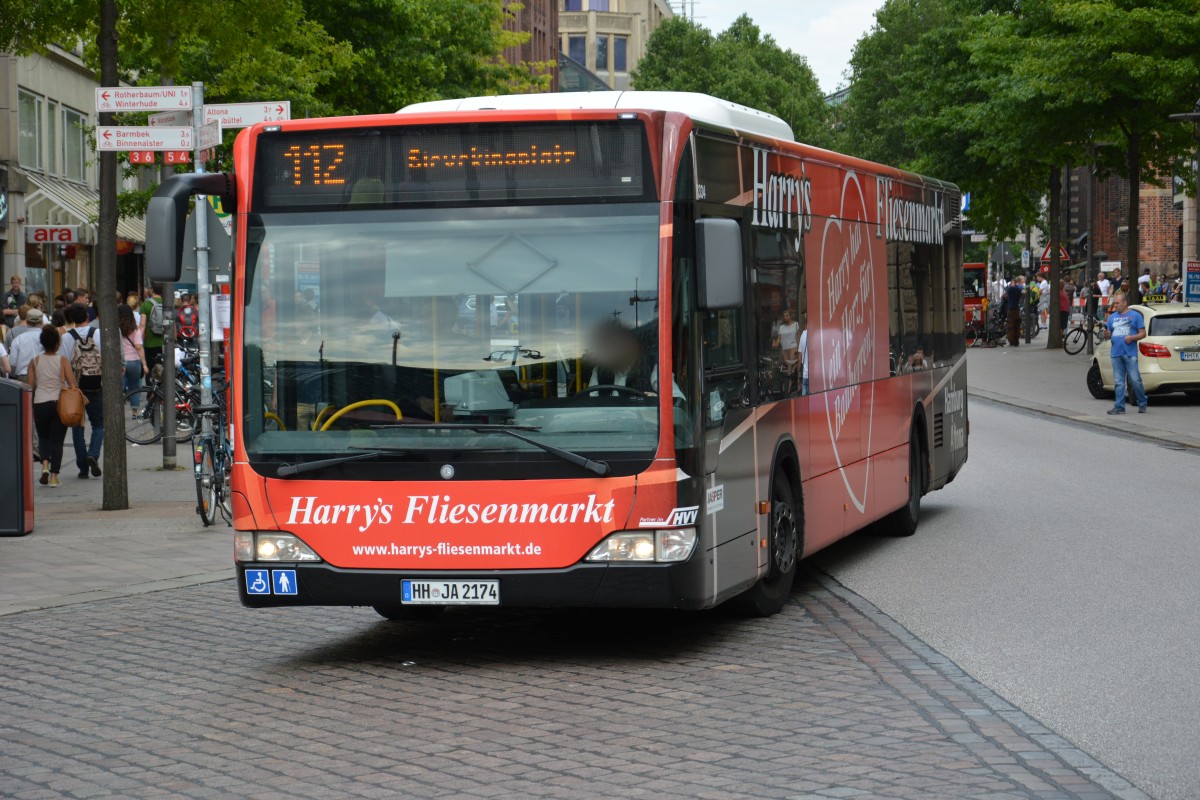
[[974, 292], [611, 349]]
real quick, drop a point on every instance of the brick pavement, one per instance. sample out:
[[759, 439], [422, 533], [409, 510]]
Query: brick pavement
[[184, 694]]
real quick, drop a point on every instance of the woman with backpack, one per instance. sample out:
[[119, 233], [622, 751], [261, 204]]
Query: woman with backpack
[[132, 351]]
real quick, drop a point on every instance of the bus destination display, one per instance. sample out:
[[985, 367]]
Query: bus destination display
[[452, 163]]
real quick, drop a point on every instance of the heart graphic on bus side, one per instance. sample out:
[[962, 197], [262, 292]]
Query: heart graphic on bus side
[[846, 334]]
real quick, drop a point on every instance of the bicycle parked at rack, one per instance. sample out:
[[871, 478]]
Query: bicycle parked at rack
[[214, 457]]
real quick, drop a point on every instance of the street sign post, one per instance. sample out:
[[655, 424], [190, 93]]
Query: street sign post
[[171, 118], [1191, 282], [243, 115], [112, 137], [143, 98]]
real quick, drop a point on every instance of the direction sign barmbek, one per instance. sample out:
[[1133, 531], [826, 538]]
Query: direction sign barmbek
[[143, 98], [111, 137]]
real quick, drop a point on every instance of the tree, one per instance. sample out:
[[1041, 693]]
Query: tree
[[741, 65], [409, 51]]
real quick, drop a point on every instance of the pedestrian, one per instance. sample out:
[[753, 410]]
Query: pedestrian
[[1126, 328], [49, 374], [25, 344], [14, 298], [1043, 306], [1104, 285], [1013, 297], [151, 326], [1064, 308], [132, 351], [5, 366], [81, 346]]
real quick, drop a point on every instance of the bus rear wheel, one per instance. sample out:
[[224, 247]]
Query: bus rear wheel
[[784, 534]]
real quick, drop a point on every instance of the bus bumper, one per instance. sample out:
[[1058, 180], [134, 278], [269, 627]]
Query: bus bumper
[[265, 585]]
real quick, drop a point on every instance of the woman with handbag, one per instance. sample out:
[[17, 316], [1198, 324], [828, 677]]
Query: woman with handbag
[[50, 375]]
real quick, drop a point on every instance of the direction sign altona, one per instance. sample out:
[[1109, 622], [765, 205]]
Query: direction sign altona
[[143, 98], [111, 137], [243, 115]]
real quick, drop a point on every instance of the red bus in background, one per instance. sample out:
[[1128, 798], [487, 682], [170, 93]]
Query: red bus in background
[[606, 349], [974, 291]]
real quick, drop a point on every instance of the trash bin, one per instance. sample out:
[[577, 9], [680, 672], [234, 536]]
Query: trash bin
[[16, 458]]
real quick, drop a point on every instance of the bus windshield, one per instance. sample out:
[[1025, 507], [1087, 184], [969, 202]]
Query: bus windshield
[[418, 332]]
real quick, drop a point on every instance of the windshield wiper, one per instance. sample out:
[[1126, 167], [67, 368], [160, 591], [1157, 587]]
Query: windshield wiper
[[289, 470], [601, 468]]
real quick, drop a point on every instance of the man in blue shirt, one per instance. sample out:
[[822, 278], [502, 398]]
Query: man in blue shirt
[[1126, 328]]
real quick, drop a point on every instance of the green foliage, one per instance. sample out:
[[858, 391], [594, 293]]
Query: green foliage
[[409, 51], [995, 94], [741, 65]]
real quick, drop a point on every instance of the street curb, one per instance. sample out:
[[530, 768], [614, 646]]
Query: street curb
[[1128, 429], [117, 592], [1063, 749]]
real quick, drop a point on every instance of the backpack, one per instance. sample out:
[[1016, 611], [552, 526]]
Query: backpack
[[186, 317], [85, 360], [156, 318]]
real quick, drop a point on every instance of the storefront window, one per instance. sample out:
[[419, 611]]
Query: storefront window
[[29, 146]]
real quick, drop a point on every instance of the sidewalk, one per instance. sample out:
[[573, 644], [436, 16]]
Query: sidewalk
[[1053, 383], [78, 553]]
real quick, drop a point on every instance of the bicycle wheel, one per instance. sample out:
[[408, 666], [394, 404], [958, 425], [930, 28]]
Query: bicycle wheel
[[972, 333], [1074, 340], [144, 425], [207, 486], [224, 464]]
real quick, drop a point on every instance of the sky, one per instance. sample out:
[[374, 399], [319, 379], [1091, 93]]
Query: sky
[[823, 31]]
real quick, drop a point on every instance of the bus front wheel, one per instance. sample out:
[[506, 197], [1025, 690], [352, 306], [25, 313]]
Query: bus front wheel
[[903, 521], [771, 593]]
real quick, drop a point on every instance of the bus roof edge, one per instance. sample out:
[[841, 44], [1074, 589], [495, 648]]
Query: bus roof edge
[[700, 107]]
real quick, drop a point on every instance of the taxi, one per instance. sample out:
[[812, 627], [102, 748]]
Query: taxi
[[1168, 358]]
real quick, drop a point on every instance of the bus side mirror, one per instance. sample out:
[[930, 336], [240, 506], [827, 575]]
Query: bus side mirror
[[719, 264], [166, 214]]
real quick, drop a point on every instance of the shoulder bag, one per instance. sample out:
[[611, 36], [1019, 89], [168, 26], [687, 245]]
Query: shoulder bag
[[70, 400]]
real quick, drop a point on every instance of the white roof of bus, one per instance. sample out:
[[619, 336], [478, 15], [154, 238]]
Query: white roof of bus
[[700, 107]]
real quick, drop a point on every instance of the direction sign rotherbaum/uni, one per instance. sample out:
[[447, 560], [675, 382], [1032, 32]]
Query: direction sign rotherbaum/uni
[[143, 98]]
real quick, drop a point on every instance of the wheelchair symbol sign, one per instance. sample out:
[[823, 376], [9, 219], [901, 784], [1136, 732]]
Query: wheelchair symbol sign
[[258, 581]]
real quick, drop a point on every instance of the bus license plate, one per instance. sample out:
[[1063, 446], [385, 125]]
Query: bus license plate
[[450, 593], [1189, 356]]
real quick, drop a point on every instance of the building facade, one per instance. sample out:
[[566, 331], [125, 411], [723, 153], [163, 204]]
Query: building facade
[[48, 177], [609, 37], [1161, 242], [538, 18]]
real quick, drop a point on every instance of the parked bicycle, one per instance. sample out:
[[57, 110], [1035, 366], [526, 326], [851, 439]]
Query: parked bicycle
[[214, 457], [147, 407], [1077, 336]]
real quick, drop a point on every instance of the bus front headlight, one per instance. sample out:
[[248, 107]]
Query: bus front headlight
[[648, 546], [271, 546]]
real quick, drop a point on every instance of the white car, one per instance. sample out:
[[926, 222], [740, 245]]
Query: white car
[[1168, 358]]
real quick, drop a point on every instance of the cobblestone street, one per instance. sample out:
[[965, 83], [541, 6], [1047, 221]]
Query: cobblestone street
[[181, 693]]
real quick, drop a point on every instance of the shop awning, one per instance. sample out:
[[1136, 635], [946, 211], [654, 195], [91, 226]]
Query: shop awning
[[80, 203]]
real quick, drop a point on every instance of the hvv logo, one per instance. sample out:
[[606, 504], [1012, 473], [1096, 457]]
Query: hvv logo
[[683, 516]]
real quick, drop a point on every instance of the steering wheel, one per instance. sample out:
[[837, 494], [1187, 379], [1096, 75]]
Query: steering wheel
[[612, 387], [360, 404]]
